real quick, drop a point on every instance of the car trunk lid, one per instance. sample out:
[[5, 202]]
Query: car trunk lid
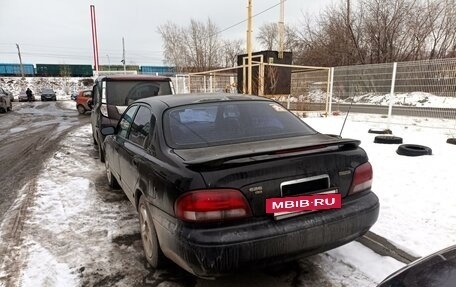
[[278, 168]]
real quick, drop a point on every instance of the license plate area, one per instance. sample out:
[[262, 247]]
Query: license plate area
[[283, 215], [307, 185]]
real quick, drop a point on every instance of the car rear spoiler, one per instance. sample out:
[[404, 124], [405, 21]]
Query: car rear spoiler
[[254, 152]]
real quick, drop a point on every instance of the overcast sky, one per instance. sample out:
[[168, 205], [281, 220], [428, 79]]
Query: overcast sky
[[58, 31]]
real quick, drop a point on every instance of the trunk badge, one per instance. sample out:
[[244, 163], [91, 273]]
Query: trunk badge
[[256, 189]]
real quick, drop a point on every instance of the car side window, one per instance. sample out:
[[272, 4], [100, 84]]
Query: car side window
[[140, 129], [126, 121]]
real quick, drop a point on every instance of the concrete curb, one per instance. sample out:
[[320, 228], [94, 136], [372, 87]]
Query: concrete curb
[[383, 247]]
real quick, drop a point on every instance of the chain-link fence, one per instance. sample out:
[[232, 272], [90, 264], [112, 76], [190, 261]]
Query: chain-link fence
[[416, 88]]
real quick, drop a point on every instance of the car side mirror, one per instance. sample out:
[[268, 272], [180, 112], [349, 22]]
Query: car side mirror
[[108, 131]]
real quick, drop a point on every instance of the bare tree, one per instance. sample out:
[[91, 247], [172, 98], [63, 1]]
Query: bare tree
[[268, 37], [231, 49], [192, 48], [272, 78], [174, 51], [378, 31]]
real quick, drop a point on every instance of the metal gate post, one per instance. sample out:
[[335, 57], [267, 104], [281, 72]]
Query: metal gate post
[[331, 82], [393, 82]]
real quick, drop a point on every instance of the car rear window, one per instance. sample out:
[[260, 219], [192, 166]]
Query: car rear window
[[228, 122], [123, 93]]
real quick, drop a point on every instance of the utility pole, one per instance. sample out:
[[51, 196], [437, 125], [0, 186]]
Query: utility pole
[[94, 38], [20, 60], [281, 28], [123, 55], [249, 48]]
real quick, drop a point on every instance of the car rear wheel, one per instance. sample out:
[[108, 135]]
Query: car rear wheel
[[112, 181], [149, 237], [81, 109]]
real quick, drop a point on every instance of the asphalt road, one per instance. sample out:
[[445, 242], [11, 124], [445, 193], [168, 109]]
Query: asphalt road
[[28, 135]]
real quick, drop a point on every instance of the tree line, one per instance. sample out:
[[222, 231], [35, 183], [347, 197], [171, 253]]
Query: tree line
[[348, 33]]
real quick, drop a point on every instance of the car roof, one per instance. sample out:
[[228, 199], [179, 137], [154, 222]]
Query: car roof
[[185, 99], [133, 77]]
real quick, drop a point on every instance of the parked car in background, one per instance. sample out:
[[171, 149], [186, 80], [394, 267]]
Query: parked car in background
[[435, 270], [48, 95], [83, 101], [24, 98], [112, 95], [200, 170], [7, 93]]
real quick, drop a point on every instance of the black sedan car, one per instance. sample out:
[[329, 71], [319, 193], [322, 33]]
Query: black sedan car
[[435, 270], [48, 95], [202, 171]]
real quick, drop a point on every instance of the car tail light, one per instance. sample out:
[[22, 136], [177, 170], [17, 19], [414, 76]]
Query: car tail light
[[104, 110], [212, 205], [362, 178]]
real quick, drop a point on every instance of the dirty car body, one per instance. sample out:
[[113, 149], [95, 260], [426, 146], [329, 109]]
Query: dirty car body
[[202, 166]]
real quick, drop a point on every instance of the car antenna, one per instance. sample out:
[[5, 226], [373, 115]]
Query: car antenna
[[346, 116]]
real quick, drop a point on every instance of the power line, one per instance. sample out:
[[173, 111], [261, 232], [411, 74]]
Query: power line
[[243, 21]]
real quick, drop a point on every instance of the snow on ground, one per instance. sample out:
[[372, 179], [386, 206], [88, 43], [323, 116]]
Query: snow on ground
[[417, 197], [412, 99]]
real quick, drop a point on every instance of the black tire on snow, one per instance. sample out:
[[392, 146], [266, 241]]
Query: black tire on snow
[[413, 150], [388, 140], [451, 141], [380, 131]]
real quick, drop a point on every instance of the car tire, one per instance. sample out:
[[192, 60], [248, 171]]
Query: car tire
[[81, 109], [451, 141], [380, 131], [413, 150], [112, 181], [388, 140], [151, 246]]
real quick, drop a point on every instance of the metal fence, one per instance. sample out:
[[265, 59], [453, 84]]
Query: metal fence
[[418, 88]]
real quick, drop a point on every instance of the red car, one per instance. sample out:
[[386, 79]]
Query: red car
[[82, 101]]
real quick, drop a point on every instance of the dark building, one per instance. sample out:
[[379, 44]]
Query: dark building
[[277, 80]]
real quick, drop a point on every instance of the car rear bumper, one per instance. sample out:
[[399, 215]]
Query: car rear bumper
[[214, 251]]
